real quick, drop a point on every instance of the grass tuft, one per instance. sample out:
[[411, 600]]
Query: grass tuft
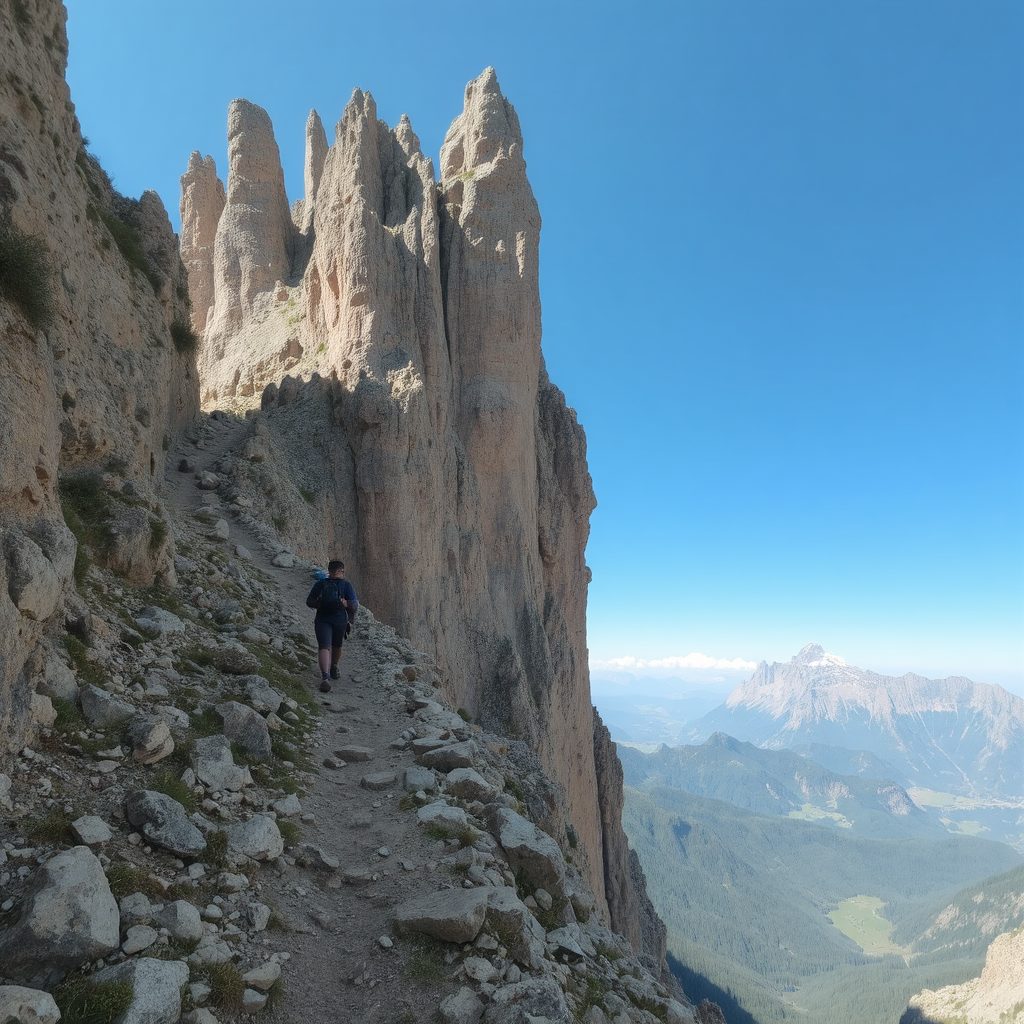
[[82, 1001], [466, 834], [51, 828], [226, 986], [26, 274], [86, 505], [290, 832], [87, 671], [124, 879], [171, 785], [129, 243], [426, 962], [184, 338]]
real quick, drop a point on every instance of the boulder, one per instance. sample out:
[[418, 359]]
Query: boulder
[[68, 917], [522, 933], [462, 1007], [156, 989], [245, 727], [439, 811], [182, 921], [455, 755], [526, 1002], [27, 1006], [33, 583], [154, 621], [91, 830], [259, 838], [134, 909], [453, 915], [417, 778], [530, 851], [468, 784], [261, 695], [151, 740], [58, 681], [215, 766], [163, 822], [103, 709]]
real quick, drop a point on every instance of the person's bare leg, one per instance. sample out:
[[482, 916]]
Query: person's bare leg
[[324, 658]]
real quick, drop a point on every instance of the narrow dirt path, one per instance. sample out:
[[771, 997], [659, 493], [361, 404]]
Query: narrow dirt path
[[333, 920]]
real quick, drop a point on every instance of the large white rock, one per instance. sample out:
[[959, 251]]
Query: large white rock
[[27, 1006], [215, 766], [69, 917], [454, 915], [246, 727], [163, 821], [156, 989], [182, 921], [531, 851], [259, 838]]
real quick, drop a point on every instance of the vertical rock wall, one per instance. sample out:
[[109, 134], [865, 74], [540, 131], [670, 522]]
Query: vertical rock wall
[[95, 387], [444, 466]]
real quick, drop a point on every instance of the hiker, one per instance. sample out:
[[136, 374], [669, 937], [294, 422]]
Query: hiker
[[335, 601]]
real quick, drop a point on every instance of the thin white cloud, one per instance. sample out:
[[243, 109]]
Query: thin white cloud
[[692, 660]]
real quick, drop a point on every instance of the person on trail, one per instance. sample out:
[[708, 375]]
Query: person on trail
[[335, 601]]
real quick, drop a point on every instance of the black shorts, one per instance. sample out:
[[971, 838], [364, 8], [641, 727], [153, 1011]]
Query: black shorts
[[330, 629]]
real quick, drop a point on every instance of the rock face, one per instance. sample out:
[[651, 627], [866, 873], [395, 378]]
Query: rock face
[[97, 386], [406, 418], [995, 997]]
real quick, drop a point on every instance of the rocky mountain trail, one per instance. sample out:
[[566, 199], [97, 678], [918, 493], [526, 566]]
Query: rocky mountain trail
[[198, 818]]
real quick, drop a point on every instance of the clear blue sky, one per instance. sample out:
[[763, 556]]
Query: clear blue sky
[[782, 271]]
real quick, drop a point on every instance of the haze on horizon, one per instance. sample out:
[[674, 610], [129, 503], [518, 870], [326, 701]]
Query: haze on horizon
[[781, 271]]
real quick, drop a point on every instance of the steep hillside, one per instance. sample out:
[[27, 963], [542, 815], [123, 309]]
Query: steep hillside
[[950, 735], [96, 372], [746, 897]]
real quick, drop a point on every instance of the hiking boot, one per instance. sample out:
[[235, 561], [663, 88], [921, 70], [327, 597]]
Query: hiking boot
[[325, 687], [335, 674]]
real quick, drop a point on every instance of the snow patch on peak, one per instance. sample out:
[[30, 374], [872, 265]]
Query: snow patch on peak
[[816, 655]]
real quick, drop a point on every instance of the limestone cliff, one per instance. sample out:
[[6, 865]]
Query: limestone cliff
[[996, 997], [91, 376], [406, 419]]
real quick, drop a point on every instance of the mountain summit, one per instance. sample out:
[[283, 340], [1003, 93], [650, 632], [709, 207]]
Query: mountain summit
[[949, 734]]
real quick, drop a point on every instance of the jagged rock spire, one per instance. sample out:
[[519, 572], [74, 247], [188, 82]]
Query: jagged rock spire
[[255, 235], [202, 203]]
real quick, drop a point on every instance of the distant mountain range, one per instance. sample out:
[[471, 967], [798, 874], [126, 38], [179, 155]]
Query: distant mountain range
[[780, 783], [950, 735]]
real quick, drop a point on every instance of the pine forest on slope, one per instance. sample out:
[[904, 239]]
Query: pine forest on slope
[[803, 882]]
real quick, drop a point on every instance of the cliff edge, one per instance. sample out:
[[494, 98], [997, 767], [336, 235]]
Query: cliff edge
[[385, 344]]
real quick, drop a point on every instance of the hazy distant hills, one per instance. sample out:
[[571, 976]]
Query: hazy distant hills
[[780, 783], [745, 897], [950, 735]]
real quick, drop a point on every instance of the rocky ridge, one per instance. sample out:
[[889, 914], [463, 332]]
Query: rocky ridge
[[952, 735], [195, 820], [386, 344]]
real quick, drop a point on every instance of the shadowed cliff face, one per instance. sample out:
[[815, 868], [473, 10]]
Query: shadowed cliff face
[[97, 386], [439, 460]]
